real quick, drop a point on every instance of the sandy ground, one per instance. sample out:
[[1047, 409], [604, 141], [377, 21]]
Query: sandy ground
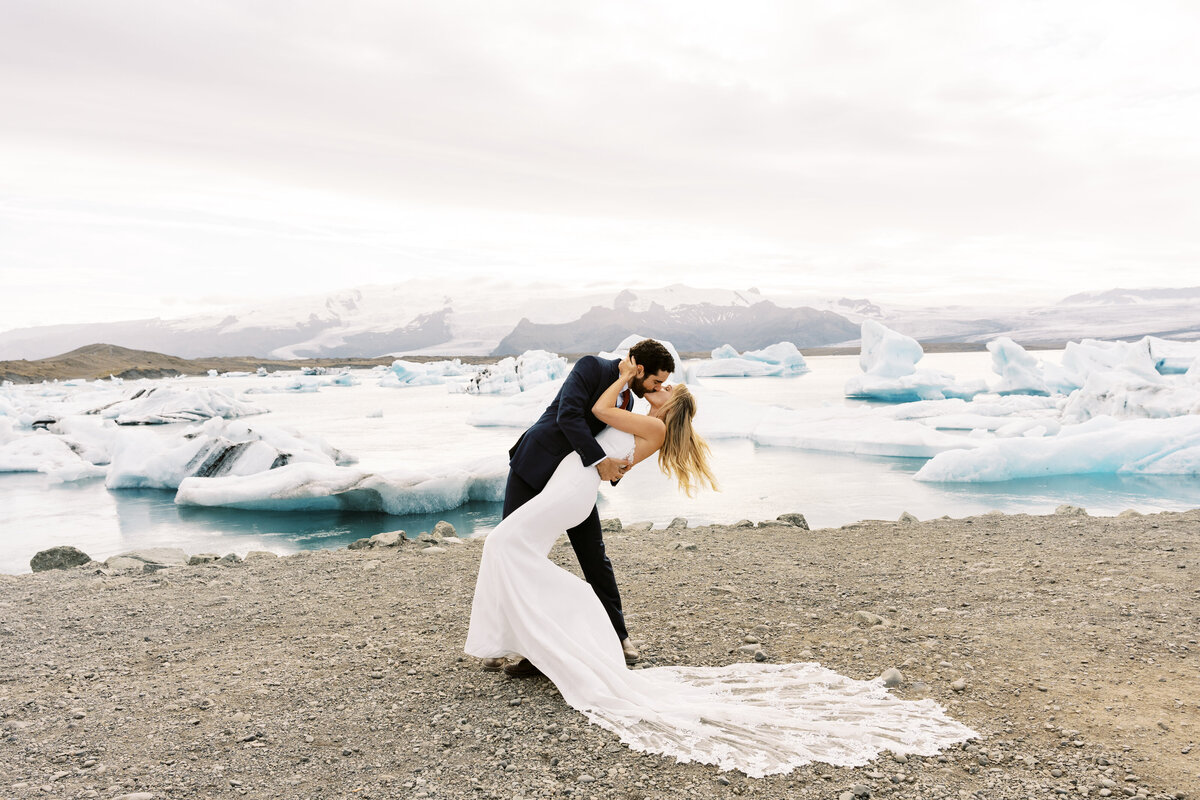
[[340, 674]]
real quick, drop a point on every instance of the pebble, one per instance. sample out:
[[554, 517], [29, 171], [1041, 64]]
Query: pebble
[[959, 685], [432, 550], [585, 778], [892, 678], [867, 619]]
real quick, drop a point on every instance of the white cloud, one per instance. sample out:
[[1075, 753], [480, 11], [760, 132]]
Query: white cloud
[[185, 148]]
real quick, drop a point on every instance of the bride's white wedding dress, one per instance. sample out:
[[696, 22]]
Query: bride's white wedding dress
[[758, 718]]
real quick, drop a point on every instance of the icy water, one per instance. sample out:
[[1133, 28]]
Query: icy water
[[425, 427]]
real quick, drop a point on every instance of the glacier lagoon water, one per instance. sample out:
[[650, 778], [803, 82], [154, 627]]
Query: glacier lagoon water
[[425, 427]]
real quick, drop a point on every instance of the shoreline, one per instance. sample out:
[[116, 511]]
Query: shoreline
[[340, 673]]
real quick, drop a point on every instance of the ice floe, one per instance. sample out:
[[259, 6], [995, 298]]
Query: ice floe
[[161, 404], [509, 375], [1101, 445], [152, 459], [314, 487], [778, 360], [514, 374]]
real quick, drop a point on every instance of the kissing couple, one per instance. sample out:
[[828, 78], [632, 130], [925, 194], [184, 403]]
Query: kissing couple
[[759, 718]]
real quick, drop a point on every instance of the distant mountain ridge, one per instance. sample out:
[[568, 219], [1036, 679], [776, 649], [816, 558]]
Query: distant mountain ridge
[[490, 316], [689, 327]]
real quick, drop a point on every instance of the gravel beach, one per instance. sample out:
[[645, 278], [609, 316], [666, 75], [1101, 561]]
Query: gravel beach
[[1068, 641]]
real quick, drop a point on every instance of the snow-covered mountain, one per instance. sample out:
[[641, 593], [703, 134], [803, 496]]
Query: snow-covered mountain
[[492, 316]]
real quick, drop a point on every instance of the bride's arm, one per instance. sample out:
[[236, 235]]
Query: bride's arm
[[638, 424]]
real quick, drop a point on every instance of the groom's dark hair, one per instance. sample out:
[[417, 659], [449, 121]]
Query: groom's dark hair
[[653, 356]]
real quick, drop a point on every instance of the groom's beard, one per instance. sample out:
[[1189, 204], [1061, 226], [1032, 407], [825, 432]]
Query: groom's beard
[[638, 386]]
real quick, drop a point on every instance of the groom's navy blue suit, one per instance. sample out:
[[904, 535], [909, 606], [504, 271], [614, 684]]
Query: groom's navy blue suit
[[569, 424]]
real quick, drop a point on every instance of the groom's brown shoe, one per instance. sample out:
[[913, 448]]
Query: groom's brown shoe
[[521, 669], [631, 652], [492, 664]]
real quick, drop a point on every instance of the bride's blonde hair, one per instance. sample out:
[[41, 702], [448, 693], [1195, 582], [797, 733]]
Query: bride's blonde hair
[[684, 455]]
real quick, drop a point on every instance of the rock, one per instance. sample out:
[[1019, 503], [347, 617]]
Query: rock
[[585, 778], [723, 590], [610, 525], [62, 557], [959, 685], [749, 648], [908, 519], [136, 796], [387, 539], [452, 541], [750, 639], [259, 555], [444, 530], [428, 538], [892, 678], [760, 655], [202, 558], [158, 557], [639, 527], [861, 790], [867, 619], [920, 687], [1070, 511], [359, 544], [677, 524], [794, 519], [123, 564], [432, 550], [683, 546], [230, 558], [743, 523]]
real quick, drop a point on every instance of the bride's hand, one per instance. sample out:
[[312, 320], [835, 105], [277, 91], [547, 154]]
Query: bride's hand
[[628, 368]]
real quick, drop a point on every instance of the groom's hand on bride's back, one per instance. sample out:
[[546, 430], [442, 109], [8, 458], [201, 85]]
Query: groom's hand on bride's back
[[613, 469]]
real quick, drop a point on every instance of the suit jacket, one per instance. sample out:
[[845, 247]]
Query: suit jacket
[[567, 424]]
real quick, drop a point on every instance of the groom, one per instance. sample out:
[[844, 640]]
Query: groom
[[568, 424]]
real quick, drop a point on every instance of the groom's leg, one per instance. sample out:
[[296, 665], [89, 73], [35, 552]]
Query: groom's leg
[[516, 494], [597, 569]]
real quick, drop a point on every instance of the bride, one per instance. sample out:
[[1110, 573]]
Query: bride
[[761, 719]]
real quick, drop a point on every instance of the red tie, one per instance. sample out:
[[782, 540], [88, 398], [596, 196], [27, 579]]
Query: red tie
[[625, 398]]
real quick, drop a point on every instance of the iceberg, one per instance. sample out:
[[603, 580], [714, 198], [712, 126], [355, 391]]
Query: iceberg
[[44, 452], [889, 363], [1101, 445], [1130, 394], [778, 360], [512, 375], [414, 373], [148, 459], [1020, 373], [1172, 357], [158, 405], [311, 487]]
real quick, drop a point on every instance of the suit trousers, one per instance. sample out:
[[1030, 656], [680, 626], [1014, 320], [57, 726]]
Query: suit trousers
[[589, 550]]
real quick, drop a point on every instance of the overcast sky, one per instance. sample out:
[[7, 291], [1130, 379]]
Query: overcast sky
[[160, 158]]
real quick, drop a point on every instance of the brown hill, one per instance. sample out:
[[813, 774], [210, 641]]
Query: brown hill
[[102, 360]]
